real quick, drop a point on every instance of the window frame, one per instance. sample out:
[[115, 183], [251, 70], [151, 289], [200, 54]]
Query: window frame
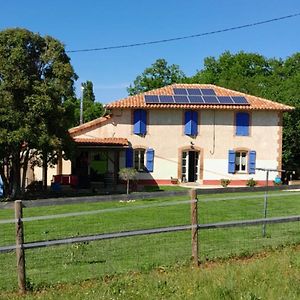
[[138, 167], [240, 152]]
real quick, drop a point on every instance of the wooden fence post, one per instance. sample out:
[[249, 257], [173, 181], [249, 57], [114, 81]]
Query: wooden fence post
[[194, 221], [19, 247]]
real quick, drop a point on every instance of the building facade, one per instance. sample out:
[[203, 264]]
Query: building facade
[[182, 132]]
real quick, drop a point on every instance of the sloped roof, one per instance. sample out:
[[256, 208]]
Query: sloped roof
[[255, 103], [101, 141], [88, 125]]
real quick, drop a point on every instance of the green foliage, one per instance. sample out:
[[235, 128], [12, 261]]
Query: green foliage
[[128, 174], [251, 182], [36, 88], [225, 182], [158, 75], [273, 79]]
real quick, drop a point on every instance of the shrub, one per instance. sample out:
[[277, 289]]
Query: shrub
[[225, 182], [251, 182], [127, 174]]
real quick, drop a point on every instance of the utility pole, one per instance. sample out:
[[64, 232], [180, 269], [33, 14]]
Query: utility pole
[[81, 105]]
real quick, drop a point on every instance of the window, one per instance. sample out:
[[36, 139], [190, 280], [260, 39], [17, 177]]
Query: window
[[242, 122], [139, 122], [241, 161], [191, 123], [139, 160]]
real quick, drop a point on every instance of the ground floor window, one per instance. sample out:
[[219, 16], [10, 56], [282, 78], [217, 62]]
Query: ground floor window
[[241, 158], [139, 160]]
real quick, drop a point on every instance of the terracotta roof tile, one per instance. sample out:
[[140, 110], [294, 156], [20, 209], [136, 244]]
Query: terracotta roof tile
[[101, 141], [255, 103], [87, 126]]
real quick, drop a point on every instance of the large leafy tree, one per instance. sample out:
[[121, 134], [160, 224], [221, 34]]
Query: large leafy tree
[[275, 79], [36, 106], [91, 108], [158, 75]]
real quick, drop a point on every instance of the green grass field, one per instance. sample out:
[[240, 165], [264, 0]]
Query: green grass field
[[94, 260]]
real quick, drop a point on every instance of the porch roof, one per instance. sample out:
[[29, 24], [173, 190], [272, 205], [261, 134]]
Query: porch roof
[[101, 141]]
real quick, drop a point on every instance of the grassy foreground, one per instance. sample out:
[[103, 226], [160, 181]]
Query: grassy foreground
[[268, 275]]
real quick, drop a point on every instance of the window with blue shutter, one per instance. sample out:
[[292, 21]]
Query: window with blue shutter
[[242, 123], [150, 160], [231, 161], [191, 123], [129, 158], [139, 121], [252, 162]]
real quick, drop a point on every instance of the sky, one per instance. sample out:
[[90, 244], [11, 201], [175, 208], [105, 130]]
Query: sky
[[101, 23]]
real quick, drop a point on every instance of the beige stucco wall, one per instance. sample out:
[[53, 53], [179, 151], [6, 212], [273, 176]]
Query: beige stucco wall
[[165, 134]]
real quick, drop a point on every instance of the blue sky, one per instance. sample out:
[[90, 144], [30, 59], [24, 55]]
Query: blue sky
[[92, 24]]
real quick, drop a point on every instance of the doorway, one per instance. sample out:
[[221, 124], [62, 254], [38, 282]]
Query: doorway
[[190, 166]]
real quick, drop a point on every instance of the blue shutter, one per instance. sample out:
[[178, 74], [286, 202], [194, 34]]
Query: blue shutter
[[188, 123], [150, 159], [129, 158], [252, 162], [143, 121], [242, 124], [1, 187], [136, 121], [194, 123], [231, 161], [139, 121]]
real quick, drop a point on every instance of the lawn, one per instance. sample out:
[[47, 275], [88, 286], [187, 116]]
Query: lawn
[[269, 275], [79, 262]]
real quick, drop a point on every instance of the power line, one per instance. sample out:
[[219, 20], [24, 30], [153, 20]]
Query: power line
[[185, 37]]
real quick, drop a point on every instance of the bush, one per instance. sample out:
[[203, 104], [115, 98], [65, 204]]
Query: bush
[[225, 182], [251, 182]]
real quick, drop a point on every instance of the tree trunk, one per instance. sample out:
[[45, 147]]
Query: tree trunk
[[24, 171], [127, 190], [45, 170], [15, 179]]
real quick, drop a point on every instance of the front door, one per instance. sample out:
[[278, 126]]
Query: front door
[[190, 166]]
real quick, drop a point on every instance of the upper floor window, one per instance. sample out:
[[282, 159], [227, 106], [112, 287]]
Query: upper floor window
[[139, 121], [242, 123], [191, 123]]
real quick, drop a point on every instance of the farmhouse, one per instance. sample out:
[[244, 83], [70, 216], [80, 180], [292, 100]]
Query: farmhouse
[[182, 132]]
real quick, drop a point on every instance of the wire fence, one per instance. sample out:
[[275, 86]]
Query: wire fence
[[102, 239]]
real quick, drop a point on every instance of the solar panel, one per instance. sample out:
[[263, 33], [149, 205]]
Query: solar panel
[[195, 92], [225, 100], [239, 100], [151, 99], [208, 92], [166, 99], [196, 99], [181, 99], [180, 91], [211, 100]]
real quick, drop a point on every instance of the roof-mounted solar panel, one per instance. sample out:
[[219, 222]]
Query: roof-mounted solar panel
[[180, 91], [225, 100], [208, 92], [166, 99], [196, 99], [211, 100], [239, 100], [181, 99], [151, 99], [194, 92]]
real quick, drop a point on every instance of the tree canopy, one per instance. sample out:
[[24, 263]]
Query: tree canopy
[[158, 75], [36, 106]]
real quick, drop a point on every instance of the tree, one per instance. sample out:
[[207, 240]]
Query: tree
[[91, 109], [158, 75], [36, 108], [274, 79], [127, 174]]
